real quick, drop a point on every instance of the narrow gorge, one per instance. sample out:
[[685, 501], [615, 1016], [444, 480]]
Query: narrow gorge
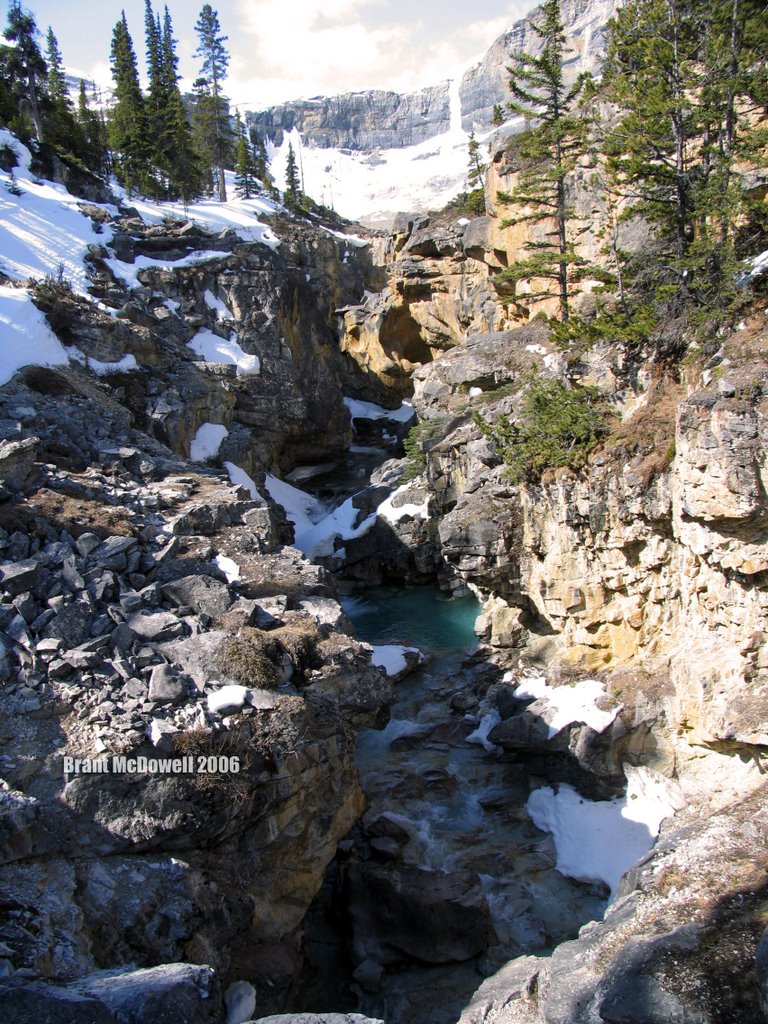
[[310, 710]]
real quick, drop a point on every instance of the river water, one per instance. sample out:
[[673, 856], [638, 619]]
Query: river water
[[461, 801]]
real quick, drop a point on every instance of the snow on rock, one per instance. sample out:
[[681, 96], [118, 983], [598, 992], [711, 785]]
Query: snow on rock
[[360, 410], [485, 726], [207, 441], [393, 514], [757, 265], [25, 337], [302, 509], [128, 273], [227, 699], [240, 478], [392, 658], [598, 841], [219, 307], [124, 365], [241, 215], [569, 704], [318, 539], [229, 567], [42, 230], [213, 349]]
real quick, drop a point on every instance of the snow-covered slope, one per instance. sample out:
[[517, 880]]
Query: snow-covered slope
[[45, 233]]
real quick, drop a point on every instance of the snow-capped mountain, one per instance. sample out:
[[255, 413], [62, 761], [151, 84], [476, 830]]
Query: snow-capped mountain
[[371, 154]]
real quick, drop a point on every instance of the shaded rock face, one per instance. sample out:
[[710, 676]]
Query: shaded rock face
[[279, 306], [408, 913], [361, 120]]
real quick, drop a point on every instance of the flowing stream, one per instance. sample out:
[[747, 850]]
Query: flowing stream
[[435, 776]]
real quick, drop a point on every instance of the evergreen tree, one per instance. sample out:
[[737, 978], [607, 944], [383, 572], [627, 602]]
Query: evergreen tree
[[476, 168], [127, 122], [498, 115], [684, 77], [26, 70], [292, 182], [95, 153], [245, 170], [187, 171], [211, 111], [61, 128], [548, 153], [156, 102]]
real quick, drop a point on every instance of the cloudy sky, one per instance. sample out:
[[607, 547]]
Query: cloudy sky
[[287, 49]]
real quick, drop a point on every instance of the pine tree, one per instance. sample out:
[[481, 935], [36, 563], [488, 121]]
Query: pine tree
[[211, 112], [187, 179], [498, 115], [61, 128], [27, 71], [127, 122], [95, 153], [476, 168], [156, 102], [245, 171], [547, 153], [684, 76], [292, 182]]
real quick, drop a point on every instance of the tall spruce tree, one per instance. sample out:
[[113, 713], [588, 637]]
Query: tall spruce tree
[[61, 128], [186, 173], [476, 167], [683, 75], [27, 72], [93, 131], [127, 123], [245, 170], [292, 181], [211, 111], [547, 155]]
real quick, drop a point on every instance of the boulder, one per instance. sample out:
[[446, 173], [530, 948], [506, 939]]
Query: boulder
[[46, 1004], [203, 594], [400, 914], [169, 994]]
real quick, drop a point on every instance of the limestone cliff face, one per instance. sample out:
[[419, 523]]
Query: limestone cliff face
[[648, 556]]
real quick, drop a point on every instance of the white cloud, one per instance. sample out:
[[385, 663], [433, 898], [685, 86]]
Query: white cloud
[[323, 47]]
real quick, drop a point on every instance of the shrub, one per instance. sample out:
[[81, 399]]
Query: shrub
[[558, 426], [415, 452]]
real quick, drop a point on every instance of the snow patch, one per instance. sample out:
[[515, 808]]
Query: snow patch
[[124, 365], [598, 841], [301, 508], [577, 703], [486, 725], [218, 306], [213, 349], [228, 566], [207, 441], [360, 410], [128, 273], [228, 698], [240, 478], [43, 233], [391, 658], [27, 340], [393, 514], [241, 215]]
